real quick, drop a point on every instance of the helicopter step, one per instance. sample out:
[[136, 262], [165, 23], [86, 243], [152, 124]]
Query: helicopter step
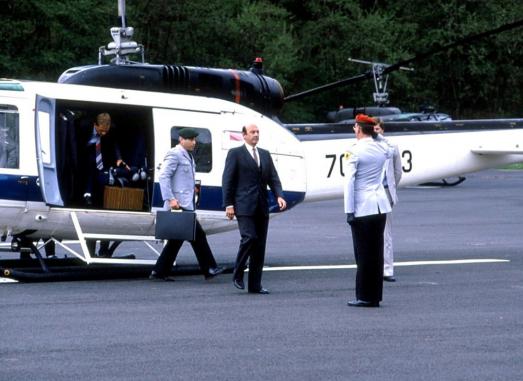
[[86, 256]]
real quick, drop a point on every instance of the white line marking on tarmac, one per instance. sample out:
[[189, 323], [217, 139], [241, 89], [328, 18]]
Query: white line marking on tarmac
[[7, 280], [396, 264], [338, 267]]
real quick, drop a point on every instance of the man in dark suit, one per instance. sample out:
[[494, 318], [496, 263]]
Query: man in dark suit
[[248, 170], [98, 149]]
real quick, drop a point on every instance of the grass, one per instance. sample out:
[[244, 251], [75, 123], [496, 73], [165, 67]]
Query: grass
[[513, 166]]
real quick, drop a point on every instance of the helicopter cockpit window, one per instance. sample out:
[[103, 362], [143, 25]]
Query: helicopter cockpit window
[[202, 152], [9, 137]]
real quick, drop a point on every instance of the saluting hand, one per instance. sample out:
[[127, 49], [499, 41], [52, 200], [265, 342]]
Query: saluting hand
[[282, 203]]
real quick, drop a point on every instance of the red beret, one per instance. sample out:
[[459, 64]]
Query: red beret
[[365, 119]]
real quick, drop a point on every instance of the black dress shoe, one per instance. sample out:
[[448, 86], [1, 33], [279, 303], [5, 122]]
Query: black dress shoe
[[154, 276], [238, 283], [362, 303], [213, 271], [389, 278], [262, 291]]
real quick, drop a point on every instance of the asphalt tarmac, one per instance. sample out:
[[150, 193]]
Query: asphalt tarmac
[[444, 319]]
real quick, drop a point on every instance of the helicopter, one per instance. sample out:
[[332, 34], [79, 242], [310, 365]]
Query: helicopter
[[149, 104], [388, 114]]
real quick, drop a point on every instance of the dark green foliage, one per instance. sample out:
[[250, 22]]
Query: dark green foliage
[[39, 39], [304, 44]]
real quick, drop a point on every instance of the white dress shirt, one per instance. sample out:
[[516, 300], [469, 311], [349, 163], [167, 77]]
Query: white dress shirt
[[250, 149]]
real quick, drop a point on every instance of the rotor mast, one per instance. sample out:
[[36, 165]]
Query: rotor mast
[[381, 96], [122, 45]]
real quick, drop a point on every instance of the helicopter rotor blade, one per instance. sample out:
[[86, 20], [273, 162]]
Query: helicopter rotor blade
[[399, 64], [328, 86]]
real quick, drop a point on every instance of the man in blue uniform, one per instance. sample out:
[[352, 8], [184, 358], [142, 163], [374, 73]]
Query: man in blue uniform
[[177, 181]]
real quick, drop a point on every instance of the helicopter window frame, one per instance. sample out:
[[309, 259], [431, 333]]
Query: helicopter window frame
[[202, 153], [9, 137]]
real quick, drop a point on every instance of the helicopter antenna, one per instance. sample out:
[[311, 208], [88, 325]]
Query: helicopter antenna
[[121, 13], [122, 45], [418, 57], [381, 96]]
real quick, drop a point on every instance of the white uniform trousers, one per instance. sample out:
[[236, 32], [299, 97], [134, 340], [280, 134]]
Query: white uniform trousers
[[388, 254]]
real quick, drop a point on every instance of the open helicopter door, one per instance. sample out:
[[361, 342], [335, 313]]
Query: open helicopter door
[[46, 150]]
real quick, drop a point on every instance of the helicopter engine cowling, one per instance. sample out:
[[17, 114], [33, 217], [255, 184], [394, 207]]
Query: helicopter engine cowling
[[251, 89]]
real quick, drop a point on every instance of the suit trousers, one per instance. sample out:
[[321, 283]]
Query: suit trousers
[[201, 249], [253, 231], [95, 182], [367, 238]]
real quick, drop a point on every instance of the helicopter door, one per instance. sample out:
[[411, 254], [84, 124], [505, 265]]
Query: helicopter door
[[167, 123], [46, 150]]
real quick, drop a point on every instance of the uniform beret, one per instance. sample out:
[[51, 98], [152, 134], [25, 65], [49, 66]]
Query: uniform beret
[[188, 133], [365, 119]]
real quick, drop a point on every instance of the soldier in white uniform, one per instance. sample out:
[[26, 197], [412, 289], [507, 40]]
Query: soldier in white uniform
[[366, 205], [177, 182], [392, 178]]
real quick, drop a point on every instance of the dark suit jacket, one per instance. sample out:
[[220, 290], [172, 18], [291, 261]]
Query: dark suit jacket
[[86, 152], [244, 185], [90, 180]]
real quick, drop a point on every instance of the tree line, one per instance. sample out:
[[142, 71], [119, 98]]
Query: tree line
[[304, 44]]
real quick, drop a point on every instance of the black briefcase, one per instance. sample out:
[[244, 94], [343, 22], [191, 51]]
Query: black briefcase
[[175, 225]]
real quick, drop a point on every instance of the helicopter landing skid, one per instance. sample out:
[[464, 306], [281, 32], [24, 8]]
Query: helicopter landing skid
[[445, 182]]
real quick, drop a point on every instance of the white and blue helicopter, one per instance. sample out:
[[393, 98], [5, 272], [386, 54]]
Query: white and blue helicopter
[[39, 196]]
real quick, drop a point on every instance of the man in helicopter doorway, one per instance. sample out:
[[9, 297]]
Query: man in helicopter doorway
[[99, 150]]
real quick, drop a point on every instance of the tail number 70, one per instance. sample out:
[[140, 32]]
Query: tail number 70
[[405, 155]]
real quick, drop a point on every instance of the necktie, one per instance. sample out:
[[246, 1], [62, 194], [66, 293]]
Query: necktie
[[99, 161], [255, 156]]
